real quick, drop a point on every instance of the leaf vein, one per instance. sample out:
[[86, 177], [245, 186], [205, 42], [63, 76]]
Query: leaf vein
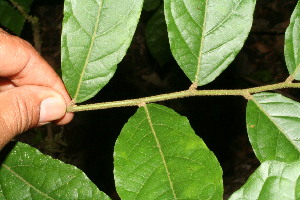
[[212, 71], [201, 46], [224, 20], [185, 42], [120, 21], [274, 122], [23, 180], [91, 46], [160, 150]]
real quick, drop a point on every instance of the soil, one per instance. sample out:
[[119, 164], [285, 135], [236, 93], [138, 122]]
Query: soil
[[88, 140]]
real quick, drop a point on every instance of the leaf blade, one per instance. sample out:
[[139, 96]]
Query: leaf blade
[[155, 157], [272, 180], [26, 173], [202, 38], [25, 4], [11, 18], [95, 38], [292, 44], [157, 37], [150, 5], [272, 124]]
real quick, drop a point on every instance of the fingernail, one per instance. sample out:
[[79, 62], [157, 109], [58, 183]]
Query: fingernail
[[51, 109]]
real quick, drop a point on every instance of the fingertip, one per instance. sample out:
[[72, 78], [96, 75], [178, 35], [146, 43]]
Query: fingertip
[[51, 109]]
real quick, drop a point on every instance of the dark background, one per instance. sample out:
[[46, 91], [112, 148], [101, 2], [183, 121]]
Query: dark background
[[88, 140]]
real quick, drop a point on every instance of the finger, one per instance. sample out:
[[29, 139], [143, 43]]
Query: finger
[[6, 84], [25, 107], [24, 66]]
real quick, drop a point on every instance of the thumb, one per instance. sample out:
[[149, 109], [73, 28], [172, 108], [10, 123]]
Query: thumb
[[24, 107]]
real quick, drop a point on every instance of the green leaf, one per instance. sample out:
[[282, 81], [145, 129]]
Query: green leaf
[[273, 180], [24, 4], [206, 35], [150, 5], [28, 174], [11, 18], [96, 35], [157, 37], [292, 44], [158, 156], [273, 123]]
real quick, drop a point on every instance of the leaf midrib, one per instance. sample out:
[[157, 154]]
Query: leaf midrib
[[94, 36], [26, 182], [296, 70], [205, 34], [201, 45], [274, 122], [160, 150]]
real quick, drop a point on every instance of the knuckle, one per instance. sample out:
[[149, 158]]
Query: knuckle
[[23, 113], [5, 127]]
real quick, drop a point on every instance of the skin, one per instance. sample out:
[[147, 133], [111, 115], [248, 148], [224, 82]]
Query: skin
[[31, 93]]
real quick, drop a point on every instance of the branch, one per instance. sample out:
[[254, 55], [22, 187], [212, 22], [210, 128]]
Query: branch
[[176, 95], [34, 24]]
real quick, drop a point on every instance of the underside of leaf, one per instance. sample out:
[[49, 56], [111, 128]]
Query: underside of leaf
[[272, 180], [273, 124], [206, 35], [96, 35], [292, 44]]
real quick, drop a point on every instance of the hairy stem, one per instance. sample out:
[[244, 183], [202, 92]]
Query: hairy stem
[[186, 93], [34, 24]]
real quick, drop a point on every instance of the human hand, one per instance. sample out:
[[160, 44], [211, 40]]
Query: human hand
[[31, 93]]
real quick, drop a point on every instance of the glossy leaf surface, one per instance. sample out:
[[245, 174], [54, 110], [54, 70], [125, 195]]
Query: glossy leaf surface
[[158, 156], [11, 18], [206, 35], [292, 44], [96, 35], [157, 37], [28, 174], [273, 124], [272, 180]]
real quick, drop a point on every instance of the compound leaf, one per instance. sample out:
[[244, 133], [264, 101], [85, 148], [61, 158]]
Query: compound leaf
[[11, 17], [206, 35], [96, 35], [292, 44], [158, 156], [28, 174], [157, 37], [272, 180], [273, 124]]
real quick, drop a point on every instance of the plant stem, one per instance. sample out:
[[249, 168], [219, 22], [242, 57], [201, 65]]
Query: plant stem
[[34, 24], [186, 93]]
